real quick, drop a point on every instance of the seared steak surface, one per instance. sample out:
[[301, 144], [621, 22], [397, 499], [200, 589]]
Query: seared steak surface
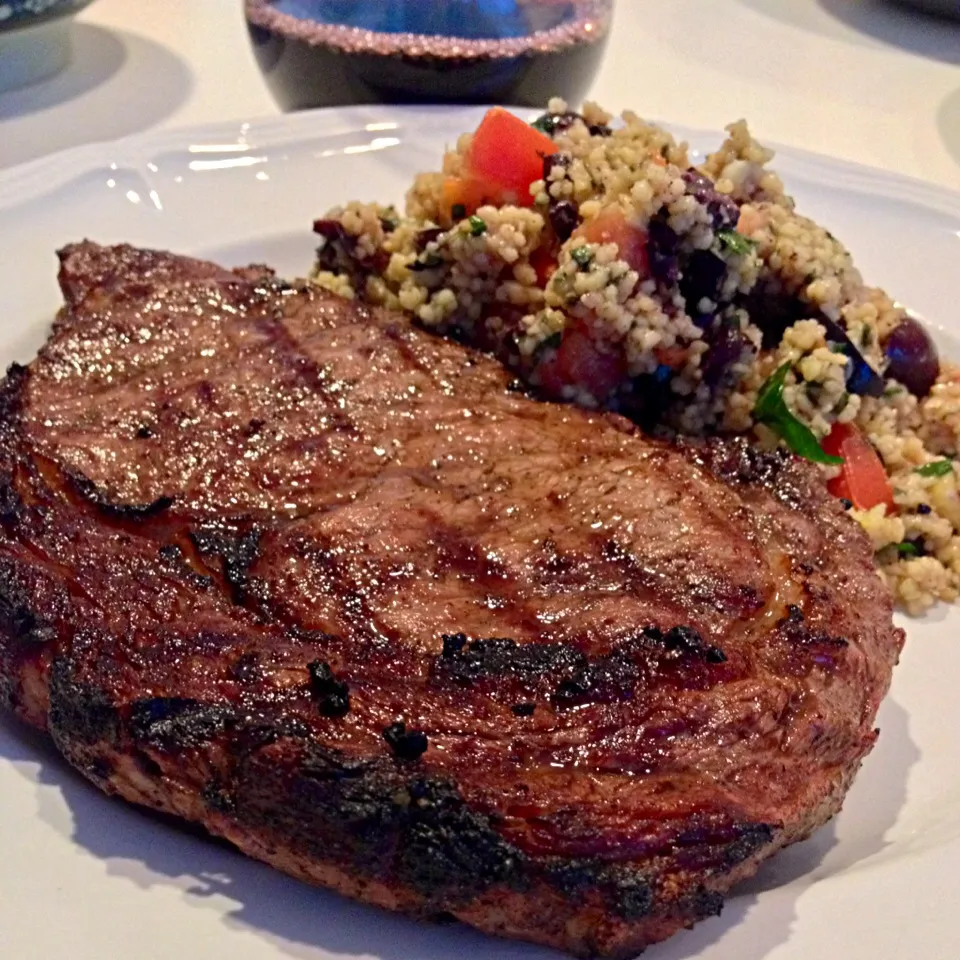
[[334, 588]]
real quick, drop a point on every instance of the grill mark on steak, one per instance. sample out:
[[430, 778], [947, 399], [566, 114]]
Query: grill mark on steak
[[89, 491], [400, 493], [236, 552]]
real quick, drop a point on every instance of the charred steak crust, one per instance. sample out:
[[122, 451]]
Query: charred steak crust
[[294, 570]]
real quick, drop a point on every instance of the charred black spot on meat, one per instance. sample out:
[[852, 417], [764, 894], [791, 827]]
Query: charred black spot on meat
[[738, 462], [11, 391], [453, 644], [236, 551], [627, 891], [332, 695], [369, 814], [524, 709], [79, 712], [174, 557], [632, 896], [177, 723], [705, 903], [91, 493], [794, 628], [687, 641], [405, 744], [751, 838], [464, 662], [450, 853], [632, 663], [17, 618], [572, 878], [718, 844]]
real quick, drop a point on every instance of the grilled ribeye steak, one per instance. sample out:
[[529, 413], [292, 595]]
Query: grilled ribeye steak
[[336, 589]]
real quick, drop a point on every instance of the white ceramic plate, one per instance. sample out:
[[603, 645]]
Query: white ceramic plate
[[86, 878]]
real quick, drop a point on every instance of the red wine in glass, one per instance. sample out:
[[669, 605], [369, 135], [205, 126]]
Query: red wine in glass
[[333, 52]]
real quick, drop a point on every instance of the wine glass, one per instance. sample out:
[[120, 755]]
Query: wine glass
[[330, 52]]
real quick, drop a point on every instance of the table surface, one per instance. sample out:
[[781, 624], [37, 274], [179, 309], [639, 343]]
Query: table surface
[[865, 80]]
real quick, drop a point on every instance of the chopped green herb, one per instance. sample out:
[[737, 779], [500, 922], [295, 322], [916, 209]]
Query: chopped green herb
[[478, 226], [458, 211], [892, 391], [546, 124], [907, 549], [838, 348], [841, 404], [735, 242], [582, 256], [866, 336], [939, 468], [771, 409]]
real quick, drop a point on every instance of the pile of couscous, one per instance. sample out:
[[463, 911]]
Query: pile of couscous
[[595, 260]]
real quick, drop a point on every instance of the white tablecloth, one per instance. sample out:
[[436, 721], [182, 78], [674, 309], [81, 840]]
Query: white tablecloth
[[861, 79]]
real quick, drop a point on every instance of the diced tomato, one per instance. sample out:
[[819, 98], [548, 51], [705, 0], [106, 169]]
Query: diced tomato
[[467, 193], [508, 152], [864, 480], [611, 226], [580, 361], [544, 262]]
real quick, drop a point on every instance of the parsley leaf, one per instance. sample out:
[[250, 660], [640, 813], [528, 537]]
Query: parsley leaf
[[582, 256], [771, 410], [478, 226], [546, 124], [736, 242], [939, 468], [907, 549]]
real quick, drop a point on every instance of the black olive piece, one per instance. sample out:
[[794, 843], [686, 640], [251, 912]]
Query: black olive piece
[[723, 210], [424, 237], [405, 744], [924, 509], [662, 251], [564, 218], [555, 160], [846, 504], [727, 343], [861, 377], [702, 278], [913, 357]]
